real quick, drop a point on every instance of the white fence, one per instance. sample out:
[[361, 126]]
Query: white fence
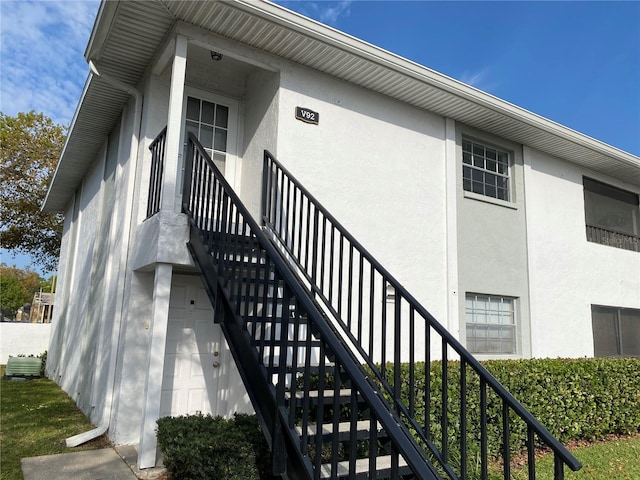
[[23, 339]]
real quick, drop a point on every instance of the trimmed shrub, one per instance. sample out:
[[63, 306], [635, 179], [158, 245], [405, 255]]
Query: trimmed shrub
[[202, 447], [575, 399]]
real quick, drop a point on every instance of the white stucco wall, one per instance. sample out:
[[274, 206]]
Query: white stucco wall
[[72, 356], [259, 134], [23, 339], [378, 166], [58, 321], [132, 360], [567, 273]]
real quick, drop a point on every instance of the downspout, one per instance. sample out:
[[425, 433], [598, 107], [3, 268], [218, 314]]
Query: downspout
[[84, 437]]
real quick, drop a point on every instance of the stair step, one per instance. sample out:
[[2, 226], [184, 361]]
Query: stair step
[[344, 396], [313, 369], [260, 318], [344, 430], [383, 468], [275, 342]]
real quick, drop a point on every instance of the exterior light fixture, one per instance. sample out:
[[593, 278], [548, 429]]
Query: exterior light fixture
[[217, 56]]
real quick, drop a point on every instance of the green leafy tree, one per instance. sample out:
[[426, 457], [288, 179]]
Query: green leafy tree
[[17, 288], [30, 145]]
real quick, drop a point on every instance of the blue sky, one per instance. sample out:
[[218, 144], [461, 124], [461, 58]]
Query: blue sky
[[576, 63]]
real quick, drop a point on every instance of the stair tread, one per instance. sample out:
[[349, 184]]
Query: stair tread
[[383, 467], [276, 342], [300, 368], [343, 427], [345, 392]]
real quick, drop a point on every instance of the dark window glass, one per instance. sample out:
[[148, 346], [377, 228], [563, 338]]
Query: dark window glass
[[616, 331], [630, 332], [222, 116], [206, 136], [611, 208], [208, 112], [220, 140], [193, 109]]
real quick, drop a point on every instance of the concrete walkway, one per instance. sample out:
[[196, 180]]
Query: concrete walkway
[[103, 464]]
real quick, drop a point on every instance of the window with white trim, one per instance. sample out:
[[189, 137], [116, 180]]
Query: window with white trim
[[490, 324], [485, 170], [209, 123], [616, 331]]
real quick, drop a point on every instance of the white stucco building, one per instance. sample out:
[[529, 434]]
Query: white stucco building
[[521, 236]]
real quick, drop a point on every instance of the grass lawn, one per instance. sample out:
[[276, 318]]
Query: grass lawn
[[614, 459], [36, 417]]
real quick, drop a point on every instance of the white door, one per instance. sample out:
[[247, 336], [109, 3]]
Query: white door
[[191, 380]]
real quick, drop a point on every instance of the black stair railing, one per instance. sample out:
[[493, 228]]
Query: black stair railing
[[157, 148], [320, 415], [424, 372]]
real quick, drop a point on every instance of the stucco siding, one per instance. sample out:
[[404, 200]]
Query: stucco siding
[[567, 273], [78, 325], [259, 134], [492, 240], [133, 364], [378, 166], [54, 354]]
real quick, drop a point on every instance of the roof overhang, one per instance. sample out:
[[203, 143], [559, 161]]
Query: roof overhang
[[126, 36]]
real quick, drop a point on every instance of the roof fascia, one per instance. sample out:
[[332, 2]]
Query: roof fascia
[[46, 203], [101, 28], [349, 44]]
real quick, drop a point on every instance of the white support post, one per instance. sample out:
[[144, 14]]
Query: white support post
[[157, 345], [451, 188], [174, 125]]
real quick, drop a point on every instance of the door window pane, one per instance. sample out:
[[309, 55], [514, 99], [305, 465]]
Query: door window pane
[[206, 136], [219, 161], [221, 140], [208, 111], [191, 127], [222, 116], [193, 109]]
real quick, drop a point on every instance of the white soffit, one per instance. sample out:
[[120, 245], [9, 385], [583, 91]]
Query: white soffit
[[127, 35]]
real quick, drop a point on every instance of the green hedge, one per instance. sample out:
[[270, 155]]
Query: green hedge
[[202, 447], [583, 399], [575, 399]]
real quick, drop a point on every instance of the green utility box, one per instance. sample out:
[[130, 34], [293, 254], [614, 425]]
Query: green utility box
[[25, 367]]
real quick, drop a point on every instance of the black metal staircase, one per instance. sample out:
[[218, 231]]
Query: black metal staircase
[[321, 369]]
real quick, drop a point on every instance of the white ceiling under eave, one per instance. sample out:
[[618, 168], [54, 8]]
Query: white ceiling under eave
[[127, 35], [101, 106]]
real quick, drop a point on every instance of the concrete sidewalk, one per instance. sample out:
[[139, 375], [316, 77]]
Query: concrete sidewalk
[[103, 464]]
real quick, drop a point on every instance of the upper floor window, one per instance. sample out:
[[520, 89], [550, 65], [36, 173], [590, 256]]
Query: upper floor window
[[616, 331], [612, 215], [485, 170], [490, 324]]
